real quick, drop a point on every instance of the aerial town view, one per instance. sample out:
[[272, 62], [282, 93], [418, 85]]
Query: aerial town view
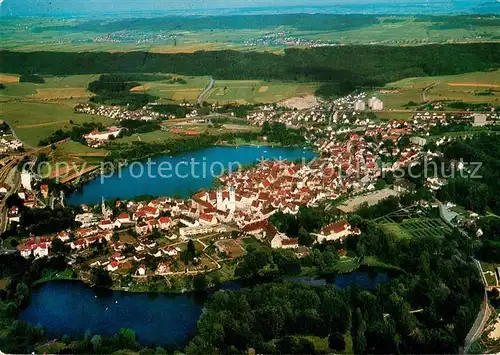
[[249, 177]]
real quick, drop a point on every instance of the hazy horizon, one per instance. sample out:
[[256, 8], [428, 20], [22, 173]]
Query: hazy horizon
[[209, 7]]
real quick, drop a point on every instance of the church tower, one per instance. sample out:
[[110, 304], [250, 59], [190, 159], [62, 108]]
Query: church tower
[[232, 198], [104, 209], [219, 199]]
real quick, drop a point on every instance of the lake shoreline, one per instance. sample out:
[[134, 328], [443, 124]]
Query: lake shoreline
[[74, 307], [88, 176], [205, 164], [316, 275]]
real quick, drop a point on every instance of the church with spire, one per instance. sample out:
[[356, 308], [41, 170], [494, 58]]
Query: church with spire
[[107, 213]]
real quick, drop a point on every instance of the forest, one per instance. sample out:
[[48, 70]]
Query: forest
[[115, 90], [437, 278], [475, 190], [341, 68]]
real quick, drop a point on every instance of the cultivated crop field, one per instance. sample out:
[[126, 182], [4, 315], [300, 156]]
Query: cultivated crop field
[[169, 92], [469, 87], [34, 34], [257, 91], [413, 223]]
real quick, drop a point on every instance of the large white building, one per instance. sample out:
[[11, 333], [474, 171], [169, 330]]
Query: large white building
[[103, 136], [375, 104], [360, 105], [26, 180]]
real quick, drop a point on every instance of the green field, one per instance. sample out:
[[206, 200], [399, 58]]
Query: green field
[[169, 133], [168, 92], [54, 88], [463, 87], [34, 121], [257, 91], [150, 137], [415, 227], [412, 223]]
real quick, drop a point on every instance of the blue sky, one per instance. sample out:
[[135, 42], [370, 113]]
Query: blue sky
[[64, 7]]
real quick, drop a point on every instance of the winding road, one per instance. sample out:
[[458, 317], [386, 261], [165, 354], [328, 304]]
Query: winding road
[[425, 92], [210, 86]]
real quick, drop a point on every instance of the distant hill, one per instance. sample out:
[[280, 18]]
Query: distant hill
[[491, 7]]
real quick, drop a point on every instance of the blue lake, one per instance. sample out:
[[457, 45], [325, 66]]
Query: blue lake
[[71, 308], [179, 175]]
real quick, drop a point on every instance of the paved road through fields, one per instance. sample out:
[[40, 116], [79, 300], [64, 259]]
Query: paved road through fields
[[210, 86]]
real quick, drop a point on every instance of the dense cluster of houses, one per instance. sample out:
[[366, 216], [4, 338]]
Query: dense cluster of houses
[[9, 144], [349, 164]]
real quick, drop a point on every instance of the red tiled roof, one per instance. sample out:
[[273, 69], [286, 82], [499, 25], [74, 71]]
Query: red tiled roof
[[290, 241], [335, 227]]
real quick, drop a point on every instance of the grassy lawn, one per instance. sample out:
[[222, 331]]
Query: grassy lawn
[[414, 227], [345, 265], [372, 261], [396, 230], [250, 244], [149, 137], [490, 280], [34, 121], [55, 275], [487, 266], [226, 272]]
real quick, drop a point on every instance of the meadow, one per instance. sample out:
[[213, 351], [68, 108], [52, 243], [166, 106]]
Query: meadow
[[33, 121]]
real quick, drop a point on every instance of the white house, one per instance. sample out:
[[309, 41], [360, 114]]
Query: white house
[[113, 266], [165, 222], [141, 270], [335, 231]]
